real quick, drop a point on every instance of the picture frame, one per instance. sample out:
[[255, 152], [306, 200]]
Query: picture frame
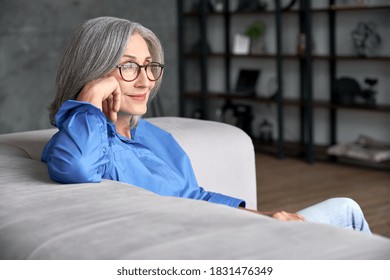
[[241, 44], [247, 81]]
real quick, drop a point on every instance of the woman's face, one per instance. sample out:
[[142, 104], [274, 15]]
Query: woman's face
[[135, 94]]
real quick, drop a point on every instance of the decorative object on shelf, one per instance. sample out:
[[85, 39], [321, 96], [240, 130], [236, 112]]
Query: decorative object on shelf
[[218, 5], [227, 112], [238, 115], [210, 8], [197, 47], [364, 148], [289, 5], [256, 32], [244, 117], [247, 81], [197, 114], [251, 5], [345, 90], [301, 44], [366, 39], [265, 132], [241, 44], [367, 95], [272, 88], [348, 92]]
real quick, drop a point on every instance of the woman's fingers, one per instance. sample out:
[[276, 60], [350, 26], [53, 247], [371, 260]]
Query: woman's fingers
[[116, 100], [285, 216], [282, 215], [111, 111], [104, 93], [105, 107], [98, 91]]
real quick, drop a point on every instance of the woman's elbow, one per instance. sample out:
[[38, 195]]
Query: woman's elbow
[[74, 172]]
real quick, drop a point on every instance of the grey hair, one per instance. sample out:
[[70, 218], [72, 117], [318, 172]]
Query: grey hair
[[94, 50]]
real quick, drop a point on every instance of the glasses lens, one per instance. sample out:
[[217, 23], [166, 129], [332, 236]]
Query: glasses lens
[[154, 71], [129, 71]]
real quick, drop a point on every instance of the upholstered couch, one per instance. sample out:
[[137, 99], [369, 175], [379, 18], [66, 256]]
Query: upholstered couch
[[41, 219]]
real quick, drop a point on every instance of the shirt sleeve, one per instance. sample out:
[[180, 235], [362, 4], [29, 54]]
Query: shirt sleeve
[[218, 198], [78, 153]]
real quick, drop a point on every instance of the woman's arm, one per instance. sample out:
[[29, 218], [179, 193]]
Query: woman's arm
[[79, 152]]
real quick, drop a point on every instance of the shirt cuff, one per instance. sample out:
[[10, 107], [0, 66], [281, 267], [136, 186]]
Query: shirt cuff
[[227, 200]]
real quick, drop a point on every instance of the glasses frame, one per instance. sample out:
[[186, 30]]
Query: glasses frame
[[139, 70]]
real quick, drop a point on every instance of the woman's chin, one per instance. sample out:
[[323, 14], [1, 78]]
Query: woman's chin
[[134, 112]]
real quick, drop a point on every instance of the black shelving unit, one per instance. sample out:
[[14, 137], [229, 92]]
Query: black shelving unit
[[305, 103], [202, 55], [335, 59], [279, 80]]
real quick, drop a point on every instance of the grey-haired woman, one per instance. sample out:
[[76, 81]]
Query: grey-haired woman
[[111, 68]]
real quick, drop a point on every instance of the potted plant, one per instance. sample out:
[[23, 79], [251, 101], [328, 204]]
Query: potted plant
[[255, 32]]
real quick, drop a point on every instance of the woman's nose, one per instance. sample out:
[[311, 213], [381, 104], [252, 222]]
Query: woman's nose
[[142, 79]]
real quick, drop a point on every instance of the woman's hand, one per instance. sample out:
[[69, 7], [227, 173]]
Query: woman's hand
[[281, 215], [285, 216], [104, 93]]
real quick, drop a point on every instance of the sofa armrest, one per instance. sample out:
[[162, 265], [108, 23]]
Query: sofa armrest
[[222, 155]]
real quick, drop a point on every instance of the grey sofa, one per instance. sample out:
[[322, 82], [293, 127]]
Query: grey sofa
[[41, 219]]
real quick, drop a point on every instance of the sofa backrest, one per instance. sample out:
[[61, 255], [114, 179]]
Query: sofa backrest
[[29, 142]]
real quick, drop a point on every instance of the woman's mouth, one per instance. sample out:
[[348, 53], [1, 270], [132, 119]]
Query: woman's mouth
[[138, 97]]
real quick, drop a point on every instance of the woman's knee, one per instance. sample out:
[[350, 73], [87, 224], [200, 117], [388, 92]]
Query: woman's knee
[[350, 205], [344, 202]]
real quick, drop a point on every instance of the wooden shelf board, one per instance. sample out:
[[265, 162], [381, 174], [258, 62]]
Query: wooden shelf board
[[336, 7], [291, 56], [239, 13], [290, 102], [358, 7], [376, 108]]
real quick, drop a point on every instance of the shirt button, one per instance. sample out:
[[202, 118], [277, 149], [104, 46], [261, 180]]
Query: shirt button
[[104, 150]]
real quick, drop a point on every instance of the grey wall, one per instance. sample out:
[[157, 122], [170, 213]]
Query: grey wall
[[32, 38]]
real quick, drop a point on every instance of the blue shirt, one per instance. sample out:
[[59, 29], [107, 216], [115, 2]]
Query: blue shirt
[[87, 148]]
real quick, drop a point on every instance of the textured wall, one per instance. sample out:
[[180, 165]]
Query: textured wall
[[32, 38]]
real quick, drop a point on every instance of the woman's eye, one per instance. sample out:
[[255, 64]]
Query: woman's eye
[[129, 66]]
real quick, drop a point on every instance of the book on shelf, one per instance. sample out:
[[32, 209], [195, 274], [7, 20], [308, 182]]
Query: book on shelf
[[365, 148]]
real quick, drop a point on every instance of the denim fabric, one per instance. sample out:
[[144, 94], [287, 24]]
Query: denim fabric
[[341, 212]]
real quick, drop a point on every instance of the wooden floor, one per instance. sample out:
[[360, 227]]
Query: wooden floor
[[291, 184]]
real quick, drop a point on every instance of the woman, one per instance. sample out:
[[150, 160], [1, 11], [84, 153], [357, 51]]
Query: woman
[[111, 68]]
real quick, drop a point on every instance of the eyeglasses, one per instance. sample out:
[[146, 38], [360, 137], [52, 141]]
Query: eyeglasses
[[130, 70]]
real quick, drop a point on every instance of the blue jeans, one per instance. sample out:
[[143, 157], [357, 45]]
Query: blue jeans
[[341, 212]]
